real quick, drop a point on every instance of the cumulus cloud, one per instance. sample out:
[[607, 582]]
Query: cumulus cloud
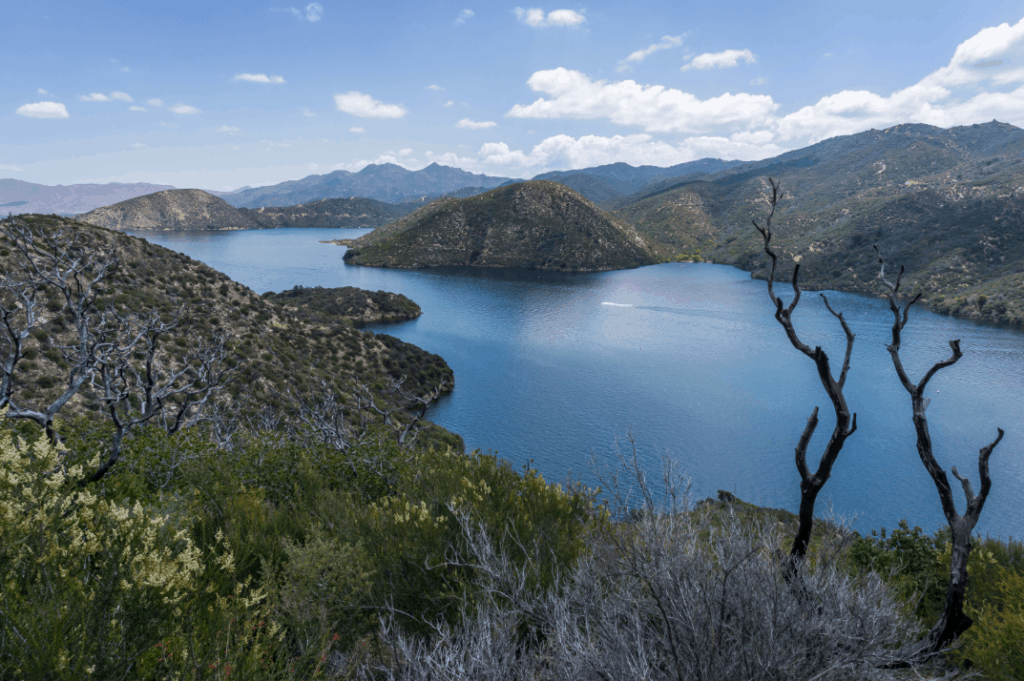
[[720, 60], [136, 108], [365, 106], [259, 78], [666, 43], [463, 16], [358, 131], [41, 91], [155, 102], [229, 129], [449, 102], [121, 96], [184, 109], [405, 152], [94, 97], [535, 17], [42, 110], [467, 124], [435, 88], [655, 108]]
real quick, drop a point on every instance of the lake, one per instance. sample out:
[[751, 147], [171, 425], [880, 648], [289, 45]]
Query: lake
[[555, 369]]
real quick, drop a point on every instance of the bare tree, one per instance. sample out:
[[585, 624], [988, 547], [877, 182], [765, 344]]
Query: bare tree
[[58, 260], [113, 353], [953, 621], [846, 424]]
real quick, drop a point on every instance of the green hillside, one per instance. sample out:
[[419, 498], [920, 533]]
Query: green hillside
[[538, 224], [947, 204]]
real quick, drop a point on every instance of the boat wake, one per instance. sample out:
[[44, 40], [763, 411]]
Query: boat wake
[[618, 304]]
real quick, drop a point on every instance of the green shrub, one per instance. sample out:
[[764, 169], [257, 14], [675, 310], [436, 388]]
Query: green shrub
[[995, 643]]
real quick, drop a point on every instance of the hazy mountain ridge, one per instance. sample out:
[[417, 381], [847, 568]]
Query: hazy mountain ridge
[[18, 196], [385, 182], [537, 224]]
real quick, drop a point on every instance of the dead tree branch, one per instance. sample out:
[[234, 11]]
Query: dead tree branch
[[953, 621], [846, 423]]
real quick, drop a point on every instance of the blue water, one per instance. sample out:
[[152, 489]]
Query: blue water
[[558, 368]]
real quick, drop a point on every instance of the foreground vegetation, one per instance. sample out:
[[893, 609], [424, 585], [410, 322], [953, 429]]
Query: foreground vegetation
[[274, 560]]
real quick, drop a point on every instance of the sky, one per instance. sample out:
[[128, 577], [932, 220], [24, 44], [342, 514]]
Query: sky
[[218, 95]]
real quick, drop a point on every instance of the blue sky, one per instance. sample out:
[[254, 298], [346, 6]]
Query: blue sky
[[223, 94]]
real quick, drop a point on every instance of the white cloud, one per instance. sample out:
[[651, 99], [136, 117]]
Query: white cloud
[[5, 166], [279, 145], [184, 109], [405, 152], [259, 78], [136, 108], [139, 145], [42, 110], [229, 129], [42, 91], [314, 11], [720, 60], [155, 102], [449, 102], [358, 131], [467, 124], [463, 15], [560, 17], [435, 88], [94, 97], [652, 107], [666, 43], [172, 126], [307, 113], [759, 81], [121, 96], [365, 106]]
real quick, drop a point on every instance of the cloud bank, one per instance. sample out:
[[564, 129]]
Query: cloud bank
[[564, 18], [365, 106]]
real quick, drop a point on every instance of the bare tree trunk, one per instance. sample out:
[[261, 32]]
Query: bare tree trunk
[[846, 423], [953, 621]]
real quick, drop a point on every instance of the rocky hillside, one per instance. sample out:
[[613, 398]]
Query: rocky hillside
[[537, 224], [275, 349], [948, 204], [356, 212], [176, 209]]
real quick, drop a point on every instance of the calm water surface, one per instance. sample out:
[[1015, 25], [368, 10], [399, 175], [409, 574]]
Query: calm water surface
[[557, 368]]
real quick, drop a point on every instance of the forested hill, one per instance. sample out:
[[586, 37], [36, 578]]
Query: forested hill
[[272, 352], [947, 204], [537, 224]]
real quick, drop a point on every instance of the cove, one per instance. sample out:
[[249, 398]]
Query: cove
[[555, 369]]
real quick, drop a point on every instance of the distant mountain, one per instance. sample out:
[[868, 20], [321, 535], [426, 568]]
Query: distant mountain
[[948, 204], [175, 209], [18, 196], [343, 213], [536, 224], [386, 182], [616, 180]]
